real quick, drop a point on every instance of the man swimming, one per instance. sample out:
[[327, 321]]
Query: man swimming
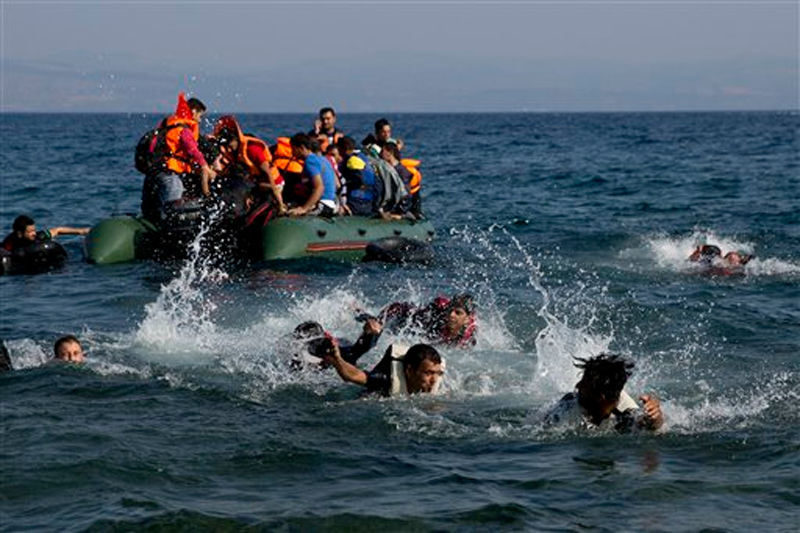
[[599, 399]]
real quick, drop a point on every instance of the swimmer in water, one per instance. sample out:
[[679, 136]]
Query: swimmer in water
[[69, 350], [599, 399], [710, 255]]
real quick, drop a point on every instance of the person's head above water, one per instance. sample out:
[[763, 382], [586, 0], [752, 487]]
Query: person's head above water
[[461, 312], [25, 227], [705, 253], [422, 366], [68, 349], [735, 258], [604, 377], [313, 337]]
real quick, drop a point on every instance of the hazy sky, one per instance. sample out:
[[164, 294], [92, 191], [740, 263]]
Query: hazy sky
[[401, 55]]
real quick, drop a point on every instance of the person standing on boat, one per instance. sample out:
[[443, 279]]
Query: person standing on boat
[[181, 168], [318, 179], [364, 189], [325, 130], [24, 234]]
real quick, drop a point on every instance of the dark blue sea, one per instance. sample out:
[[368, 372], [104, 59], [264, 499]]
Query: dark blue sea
[[572, 231]]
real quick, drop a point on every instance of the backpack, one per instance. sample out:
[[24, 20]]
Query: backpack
[[143, 158]]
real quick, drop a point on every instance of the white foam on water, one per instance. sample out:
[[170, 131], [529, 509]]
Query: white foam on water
[[178, 327], [672, 253]]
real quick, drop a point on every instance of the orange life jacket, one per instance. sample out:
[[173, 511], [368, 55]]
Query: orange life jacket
[[177, 159], [416, 176], [326, 140], [245, 141], [284, 159]]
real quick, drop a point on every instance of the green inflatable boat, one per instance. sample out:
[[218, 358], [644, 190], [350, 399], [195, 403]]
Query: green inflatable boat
[[127, 238]]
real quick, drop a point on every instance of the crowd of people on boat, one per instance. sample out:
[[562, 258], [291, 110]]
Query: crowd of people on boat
[[324, 172], [321, 172]]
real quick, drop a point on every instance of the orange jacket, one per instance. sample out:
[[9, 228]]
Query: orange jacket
[[176, 158], [245, 141], [416, 176], [284, 158]]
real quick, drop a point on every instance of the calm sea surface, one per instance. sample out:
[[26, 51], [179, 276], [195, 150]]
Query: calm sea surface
[[571, 230]]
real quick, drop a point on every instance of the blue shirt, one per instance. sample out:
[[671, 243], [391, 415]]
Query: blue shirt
[[316, 164]]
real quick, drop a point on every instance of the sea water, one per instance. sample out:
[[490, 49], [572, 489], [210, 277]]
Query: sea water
[[572, 232]]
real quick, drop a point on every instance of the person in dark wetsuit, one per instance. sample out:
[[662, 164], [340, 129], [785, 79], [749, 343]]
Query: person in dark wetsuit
[[448, 321], [24, 234], [599, 398], [421, 369], [315, 342]]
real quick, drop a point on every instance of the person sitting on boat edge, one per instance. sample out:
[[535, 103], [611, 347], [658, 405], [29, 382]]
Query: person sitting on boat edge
[[315, 341], [325, 130], [68, 349], [364, 189], [181, 172], [599, 399], [410, 206], [24, 233], [400, 372], [318, 179], [447, 321]]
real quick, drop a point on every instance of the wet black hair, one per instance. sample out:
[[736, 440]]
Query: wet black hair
[[419, 353], [710, 250], [22, 222], [605, 373], [465, 301], [325, 110], [308, 330], [66, 339]]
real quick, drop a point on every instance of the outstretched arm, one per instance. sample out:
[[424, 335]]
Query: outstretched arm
[[346, 371], [653, 417], [369, 337], [67, 230]]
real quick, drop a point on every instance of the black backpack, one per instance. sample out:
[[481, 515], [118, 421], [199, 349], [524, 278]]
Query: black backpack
[[143, 158], [146, 161]]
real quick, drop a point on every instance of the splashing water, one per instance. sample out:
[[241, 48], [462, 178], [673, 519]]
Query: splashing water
[[178, 327], [671, 253]]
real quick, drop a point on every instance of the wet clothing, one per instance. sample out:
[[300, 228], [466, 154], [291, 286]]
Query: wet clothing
[[431, 320], [380, 382], [624, 418], [13, 242], [351, 352]]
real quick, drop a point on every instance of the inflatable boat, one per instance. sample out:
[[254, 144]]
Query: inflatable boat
[[127, 238]]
